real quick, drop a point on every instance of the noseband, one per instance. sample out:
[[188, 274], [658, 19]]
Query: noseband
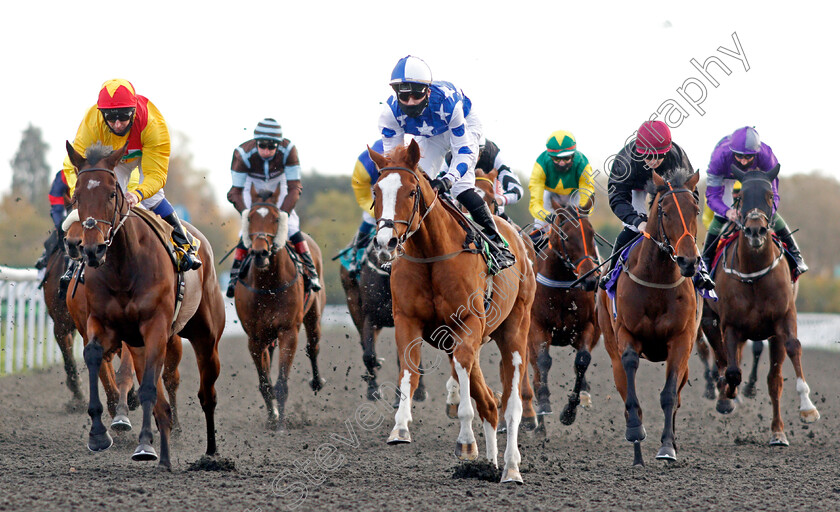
[[573, 266], [118, 220], [261, 235], [419, 201], [665, 245]]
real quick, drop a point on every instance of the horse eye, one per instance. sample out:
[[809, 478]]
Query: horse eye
[[412, 193], [113, 195]]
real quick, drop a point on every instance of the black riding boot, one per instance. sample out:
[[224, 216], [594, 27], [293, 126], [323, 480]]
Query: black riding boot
[[50, 245], [311, 276], [359, 243], [621, 240], [234, 276], [65, 279], [498, 248], [183, 244], [786, 238], [704, 280]]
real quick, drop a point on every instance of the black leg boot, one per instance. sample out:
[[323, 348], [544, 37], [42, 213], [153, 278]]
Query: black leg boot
[[312, 280], [786, 238], [183, 243], [234, 277], [65, 279], [498, 248], [704, 280]]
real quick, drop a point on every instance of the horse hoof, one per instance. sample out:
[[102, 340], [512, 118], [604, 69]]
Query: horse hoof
[[399, 436], [779, 439], [121, 423], [467, 451], [317, 384], [585, 400], [99, 442], [809, 416], [529, 424], [144, 452], [420, 395], [635, 434], [452, 411], [544, 408], [569, 415], [749, 390], [725, 406], [502, 428], [710, 393], [667, 453], [164, 467], [511, 475]]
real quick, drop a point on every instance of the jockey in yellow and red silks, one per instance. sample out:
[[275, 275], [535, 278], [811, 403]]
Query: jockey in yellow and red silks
[[119, 116]]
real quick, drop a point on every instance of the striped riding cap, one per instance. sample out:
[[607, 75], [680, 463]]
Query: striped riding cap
[[268, 129]]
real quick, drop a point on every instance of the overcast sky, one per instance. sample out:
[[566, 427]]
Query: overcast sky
[[321, 69]]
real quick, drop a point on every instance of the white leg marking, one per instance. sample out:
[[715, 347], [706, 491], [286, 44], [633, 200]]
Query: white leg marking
[[452, 391], [465, 410], [403, 416], [492, 448], [389, 187], [805, 403], [513, 416]]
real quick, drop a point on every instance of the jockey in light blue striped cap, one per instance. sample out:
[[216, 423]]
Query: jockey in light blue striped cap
[[268, 129]]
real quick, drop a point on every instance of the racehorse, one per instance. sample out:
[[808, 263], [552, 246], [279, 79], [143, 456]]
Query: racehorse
[[563, 315], [440, 294], [271, 303], [757, 301], [656, 311], [369, 301], [710, 372], [130, 294]]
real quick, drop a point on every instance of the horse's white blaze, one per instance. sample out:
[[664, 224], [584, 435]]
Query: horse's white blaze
[[452, 391], [465, 410], [389, 186], [805, 403], [262, 211], [92, 184], [490, 439], [513, 416], [403, 416]]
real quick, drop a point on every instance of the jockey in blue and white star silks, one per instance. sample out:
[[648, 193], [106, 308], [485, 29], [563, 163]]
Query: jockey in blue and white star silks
[[441, 118]]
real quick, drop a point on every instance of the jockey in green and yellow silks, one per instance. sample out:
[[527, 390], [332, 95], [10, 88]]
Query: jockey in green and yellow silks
[[560, 172]]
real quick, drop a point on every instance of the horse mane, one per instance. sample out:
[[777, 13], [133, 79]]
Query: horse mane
[[97, 152], [264, 194], [677, 179]]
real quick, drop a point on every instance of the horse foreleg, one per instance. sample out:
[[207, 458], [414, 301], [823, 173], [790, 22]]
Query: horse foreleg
[[286, 347], [677, 376], [635, 428], [408, 338], [453, 393], [172, 376], [312, 325], [488, 413], [206, 348], [154, 333], [774, 388], [733, 341], [65, 343], [710, 373], [262, 362], [749, 387], [465, 447], [582, 360], [98, 438], [542, 364], [109, 383], [125, 379], [368, 342], [513, 378], [808, 412]]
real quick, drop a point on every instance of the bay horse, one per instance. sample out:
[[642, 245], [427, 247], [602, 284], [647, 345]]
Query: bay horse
[[129, 294], [369, 302], [656, 312], [563, 315], [271, 303], [756, 301], [439, 289]]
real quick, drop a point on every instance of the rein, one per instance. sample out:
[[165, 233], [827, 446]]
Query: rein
[[566, 260]]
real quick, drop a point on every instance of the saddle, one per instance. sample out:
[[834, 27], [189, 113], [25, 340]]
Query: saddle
[[164, 234], [474, 241], [299, 272]]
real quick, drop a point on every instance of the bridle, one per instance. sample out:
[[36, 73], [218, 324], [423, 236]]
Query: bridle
[[419, 201], [573, 266], [262, 235], [118, 220], [665, 245]]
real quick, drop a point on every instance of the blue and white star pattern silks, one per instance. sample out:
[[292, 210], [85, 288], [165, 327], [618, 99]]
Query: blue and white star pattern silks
[[447, 112]]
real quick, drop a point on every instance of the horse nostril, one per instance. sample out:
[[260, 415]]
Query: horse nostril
[[392, 244]]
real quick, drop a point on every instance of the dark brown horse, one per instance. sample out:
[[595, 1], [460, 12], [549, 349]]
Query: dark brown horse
[[130, 293], [563, 315], [271, 303], [440, 294], [369, 301], [656, 311], [756, 301]]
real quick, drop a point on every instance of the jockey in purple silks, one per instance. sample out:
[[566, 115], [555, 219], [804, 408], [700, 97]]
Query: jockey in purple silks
[[745, 150]]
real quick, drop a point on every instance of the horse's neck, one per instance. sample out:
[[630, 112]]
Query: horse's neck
[[280, 269], [553, 264], [434, 236], [124, 253], [752, 260], [652, 262]]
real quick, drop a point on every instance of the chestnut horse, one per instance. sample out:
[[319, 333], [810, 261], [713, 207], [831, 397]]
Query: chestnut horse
[[369, 302], [271, 304], [563, 315], [440, 294], [757, 301], [656, 311], [130, 294]]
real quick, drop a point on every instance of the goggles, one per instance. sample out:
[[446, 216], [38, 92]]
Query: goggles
[[405, 91], [121, 114]]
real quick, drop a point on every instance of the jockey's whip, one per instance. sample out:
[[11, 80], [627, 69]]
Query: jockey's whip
[[592, 271], [227, 254]]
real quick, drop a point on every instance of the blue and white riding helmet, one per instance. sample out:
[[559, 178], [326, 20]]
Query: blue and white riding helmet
[[410, 79]]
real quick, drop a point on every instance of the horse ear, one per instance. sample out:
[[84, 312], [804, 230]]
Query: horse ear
[[772, 173], [275, 194], [413, 153], [555, 204], [378, 159], [75, 158], [692, 181], [657, 179], [116, 156], [254, 194], [738, 173]]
